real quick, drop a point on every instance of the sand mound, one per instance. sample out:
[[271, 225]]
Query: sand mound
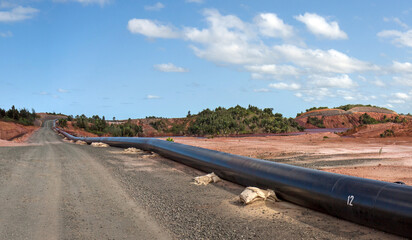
[[99, 144], [132, 150], [80, 142]]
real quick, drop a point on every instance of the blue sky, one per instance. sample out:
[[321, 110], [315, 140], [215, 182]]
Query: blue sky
[[141, 58]]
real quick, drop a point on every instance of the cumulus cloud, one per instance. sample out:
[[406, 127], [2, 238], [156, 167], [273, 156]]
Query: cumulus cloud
[[169, 67], [150, 97], [399, 67], [285, 86], [402, 96], [270, 25], [156, 7], [151, 29], [227, 40], [273, 70], [319, 26], [398, 38], [18, 13], [342, 81], [323, 61]]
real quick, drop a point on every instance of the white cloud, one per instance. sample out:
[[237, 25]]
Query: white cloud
[[151, 29], [44, 93], [405, 79], [152, 97], [285, 86], [310, 95], [260, 90], [323, 61], [379, 83], [18, 13], [402, 96], [353, 95], [169, 67], [156, 7], [319, 26], [273, 70], [227, 39], [270, 25], [342, 81], [399, 67], [195, 1], [396, 101], [399, 38], [397, 21], [6, 34], [61, 90]]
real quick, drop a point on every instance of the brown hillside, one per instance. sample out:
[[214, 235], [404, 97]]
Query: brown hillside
[[337, 118]]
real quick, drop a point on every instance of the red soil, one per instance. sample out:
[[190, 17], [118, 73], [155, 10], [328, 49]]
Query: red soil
[[75, 131], [375, 130], [337, 118], [15, 132], [386, 159]]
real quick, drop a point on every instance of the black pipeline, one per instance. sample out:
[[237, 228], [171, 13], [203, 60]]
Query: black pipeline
[[381, 205]]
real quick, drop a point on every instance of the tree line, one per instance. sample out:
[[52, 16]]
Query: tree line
[[22, 116]]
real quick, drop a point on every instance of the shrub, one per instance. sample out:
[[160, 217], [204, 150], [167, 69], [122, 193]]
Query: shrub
[[169, 139], [387, 133], [63, 122], [366, 119], [316, 122]]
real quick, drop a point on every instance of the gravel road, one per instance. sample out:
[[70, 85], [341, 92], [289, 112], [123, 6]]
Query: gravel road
[[52, 189]]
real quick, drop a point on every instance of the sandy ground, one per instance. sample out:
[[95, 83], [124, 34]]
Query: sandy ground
[[386, 159]]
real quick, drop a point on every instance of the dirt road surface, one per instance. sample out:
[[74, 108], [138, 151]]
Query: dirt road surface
[[51, 189]]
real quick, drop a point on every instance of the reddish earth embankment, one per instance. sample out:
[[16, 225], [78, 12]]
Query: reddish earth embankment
[[78, 132], [376, 130], [337, 118], [385, 159], [10, 131]]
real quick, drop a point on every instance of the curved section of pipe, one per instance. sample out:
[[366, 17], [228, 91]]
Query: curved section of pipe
[[381, 205]]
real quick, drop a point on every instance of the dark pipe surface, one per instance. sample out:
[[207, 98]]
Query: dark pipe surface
[[381, 205]]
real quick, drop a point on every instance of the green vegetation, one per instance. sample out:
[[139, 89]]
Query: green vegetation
[[350, 106], [239, 120], [221, 121], [62, 122], [387, 133], [316, 122], [169, 139], [343, 107], [22, 116], [366, 119], [99, 126], [316, 108]]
